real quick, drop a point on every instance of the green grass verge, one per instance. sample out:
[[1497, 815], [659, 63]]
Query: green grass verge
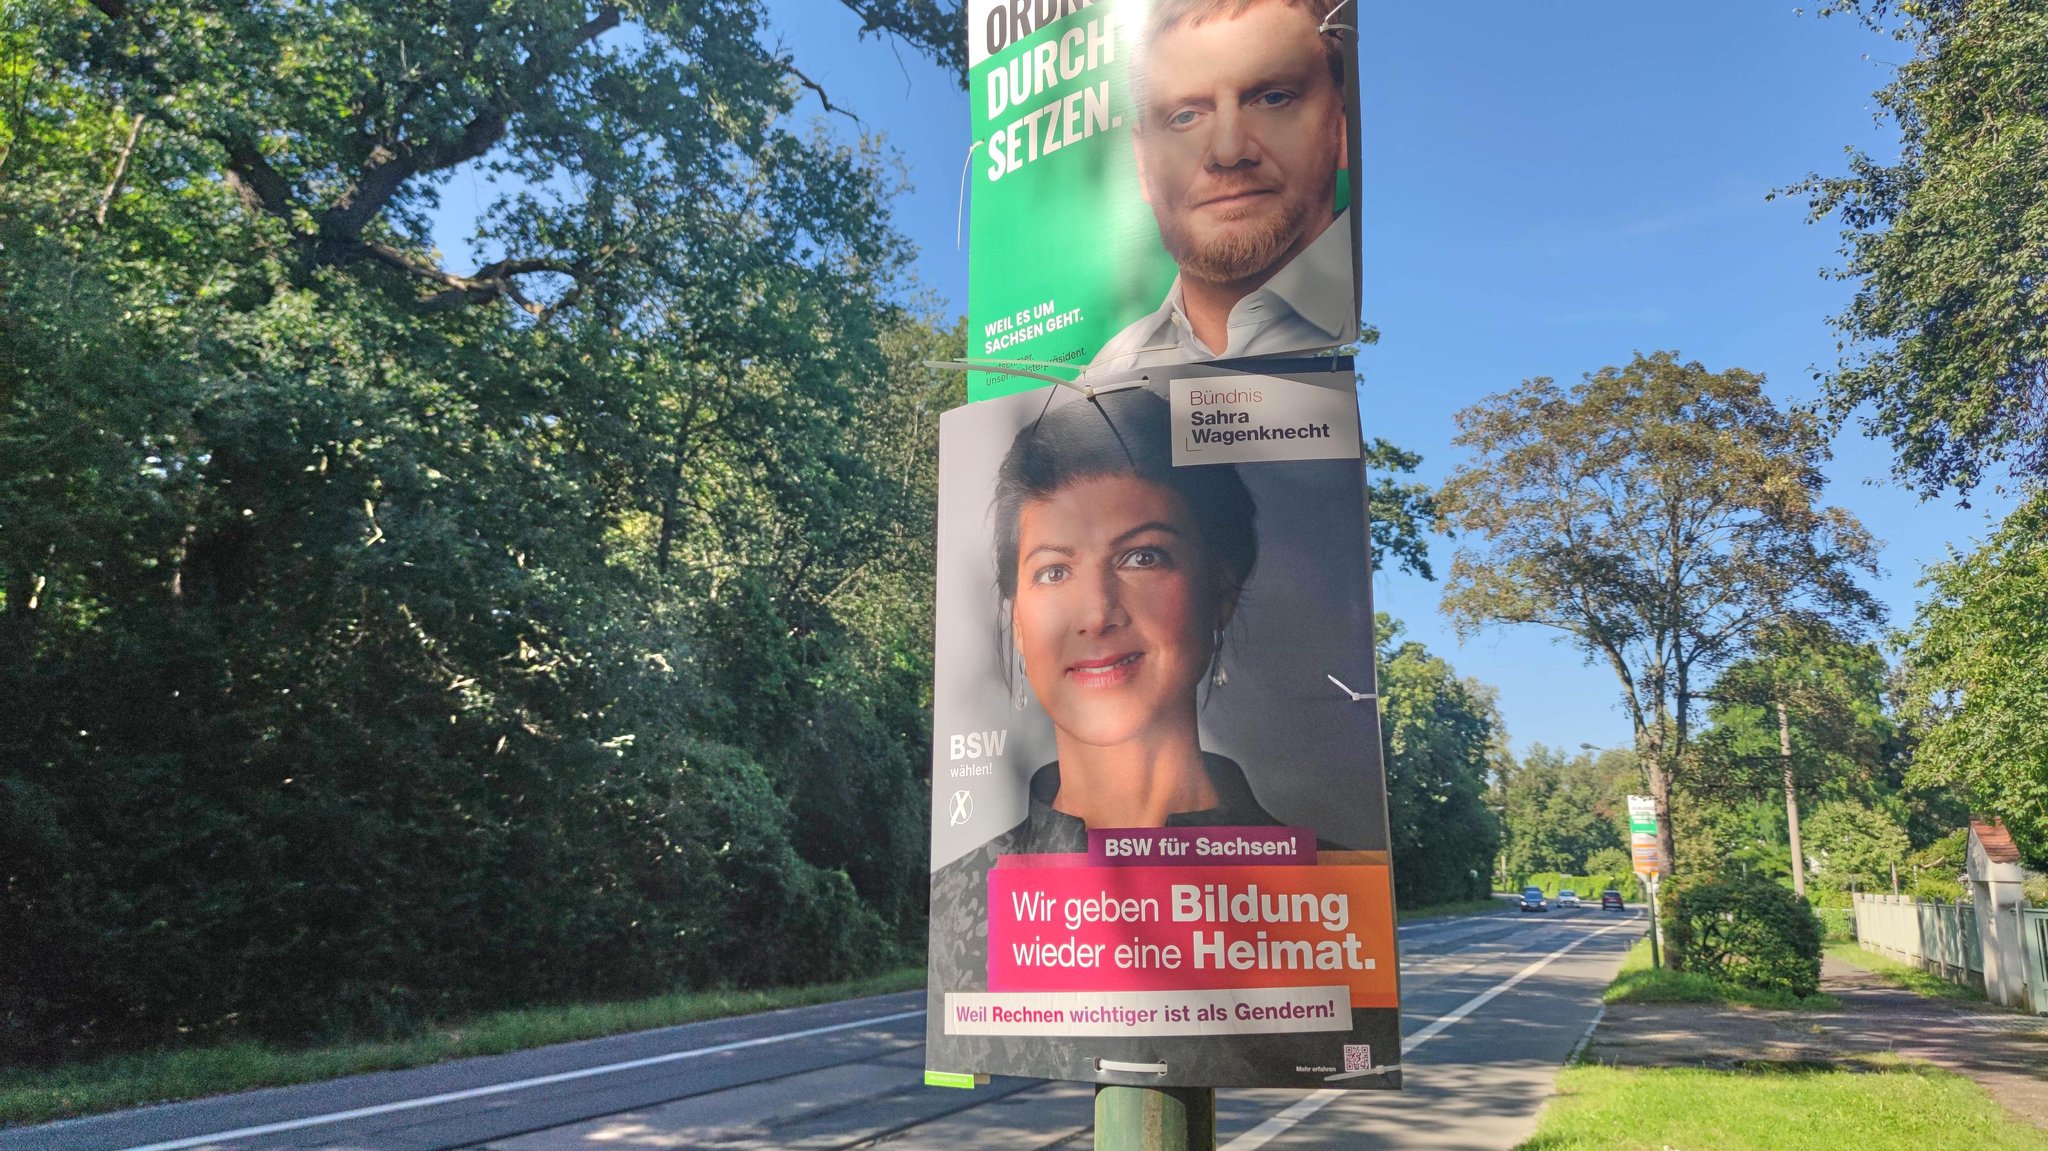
[[1638, 982], [1445, 910], [1903, 975], [1876, 1105], [159, 1076]]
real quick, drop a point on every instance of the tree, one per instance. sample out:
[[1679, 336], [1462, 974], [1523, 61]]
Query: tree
[[1559, 813], [1609, 861], [1856, 845], [1403, 511], [1948, 331], [1937, 869], [1442, 737], [383, 640], [1658, 516], [1977, 682], [1806, 708], [934, 26]]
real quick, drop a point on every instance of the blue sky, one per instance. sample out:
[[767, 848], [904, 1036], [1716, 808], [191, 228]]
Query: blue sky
[[1548, 189]]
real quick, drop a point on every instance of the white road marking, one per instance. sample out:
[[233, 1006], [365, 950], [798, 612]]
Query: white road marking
[[1309, 1104], [1573, 1057], [502, 1088], [1251, 1140]]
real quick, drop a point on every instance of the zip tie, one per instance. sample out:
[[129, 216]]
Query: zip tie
[[1326, 27], [1088, 388], [958, 366], [960, 209]]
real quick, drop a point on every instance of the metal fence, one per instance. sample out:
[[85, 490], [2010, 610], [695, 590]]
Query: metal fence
[[2034, 938]]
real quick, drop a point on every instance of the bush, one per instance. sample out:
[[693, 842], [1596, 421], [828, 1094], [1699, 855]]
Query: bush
[[1744, 931], [1838, 924]]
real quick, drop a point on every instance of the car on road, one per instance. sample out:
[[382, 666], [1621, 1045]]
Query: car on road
[[1610, 900], [1532, 899], [1567, 898]]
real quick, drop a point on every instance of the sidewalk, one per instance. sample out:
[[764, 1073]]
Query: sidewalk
[[2003, 1051]]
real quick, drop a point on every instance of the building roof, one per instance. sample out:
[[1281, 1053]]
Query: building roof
[[1997, 841]]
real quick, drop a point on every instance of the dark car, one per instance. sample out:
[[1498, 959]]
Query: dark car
[[1532, 899], [1610, 900]]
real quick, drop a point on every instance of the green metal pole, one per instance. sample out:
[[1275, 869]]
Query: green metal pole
[[1155, 1118]]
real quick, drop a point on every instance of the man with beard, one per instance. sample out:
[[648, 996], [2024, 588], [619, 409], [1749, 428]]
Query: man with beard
[[1241, 131]]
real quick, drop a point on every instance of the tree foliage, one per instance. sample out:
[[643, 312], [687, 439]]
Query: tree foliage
[[1442, 736], [1833, 690], [1855, 845], [937, 27], [1977, 678], [1562, 814], [1806, 711], [384, 639], [1658, 516], [1936, 870], [1948, 245], [1404, 511]]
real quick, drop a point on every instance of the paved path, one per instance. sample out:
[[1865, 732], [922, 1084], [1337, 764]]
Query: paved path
[[2004, 1051], [1492, 1005]]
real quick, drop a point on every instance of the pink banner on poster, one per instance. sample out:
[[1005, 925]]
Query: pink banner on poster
[[1171, 928], [1200, 846]]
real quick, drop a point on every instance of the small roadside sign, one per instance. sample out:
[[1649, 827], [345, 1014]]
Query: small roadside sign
[[1646, 850]]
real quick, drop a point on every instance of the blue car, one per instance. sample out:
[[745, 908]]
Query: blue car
[[1532, 899]]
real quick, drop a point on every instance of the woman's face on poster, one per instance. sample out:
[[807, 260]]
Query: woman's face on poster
[[1116, 610]]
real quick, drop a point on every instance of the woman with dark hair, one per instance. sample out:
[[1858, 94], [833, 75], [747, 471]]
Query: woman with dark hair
[[1119, 574]]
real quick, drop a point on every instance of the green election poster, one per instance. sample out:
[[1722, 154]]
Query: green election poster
[[1158, 182]]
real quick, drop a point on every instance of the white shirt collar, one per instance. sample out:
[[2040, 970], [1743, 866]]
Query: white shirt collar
[[1300, 288]]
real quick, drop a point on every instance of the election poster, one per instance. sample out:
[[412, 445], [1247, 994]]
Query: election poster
[[1159, 828], [1157, 182]]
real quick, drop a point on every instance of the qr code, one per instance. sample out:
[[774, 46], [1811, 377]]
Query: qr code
[[1358, 1057]]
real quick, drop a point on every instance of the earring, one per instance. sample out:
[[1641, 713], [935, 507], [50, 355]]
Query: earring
[[1218, 677], [1020, 696]]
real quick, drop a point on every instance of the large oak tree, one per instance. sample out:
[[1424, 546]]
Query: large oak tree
[[1658, 516]]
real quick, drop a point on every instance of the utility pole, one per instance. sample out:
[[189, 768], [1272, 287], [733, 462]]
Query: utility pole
[[1791, 799]]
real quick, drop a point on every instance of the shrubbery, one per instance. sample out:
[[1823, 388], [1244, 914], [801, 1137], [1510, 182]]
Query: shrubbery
[[1838, 924], [1745, 931]]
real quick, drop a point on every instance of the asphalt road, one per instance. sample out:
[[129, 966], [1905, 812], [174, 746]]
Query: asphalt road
[[1491, 1006]]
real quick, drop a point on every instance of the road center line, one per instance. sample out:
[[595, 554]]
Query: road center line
[[1308, 1105], [517, 1085]]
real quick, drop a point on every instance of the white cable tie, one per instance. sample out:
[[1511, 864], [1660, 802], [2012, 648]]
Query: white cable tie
[[1007, 370], [1327, 26], [960, 209], [1356, 696]]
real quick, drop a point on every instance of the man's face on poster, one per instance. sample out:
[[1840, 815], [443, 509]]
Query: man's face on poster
[[1242, 135]]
